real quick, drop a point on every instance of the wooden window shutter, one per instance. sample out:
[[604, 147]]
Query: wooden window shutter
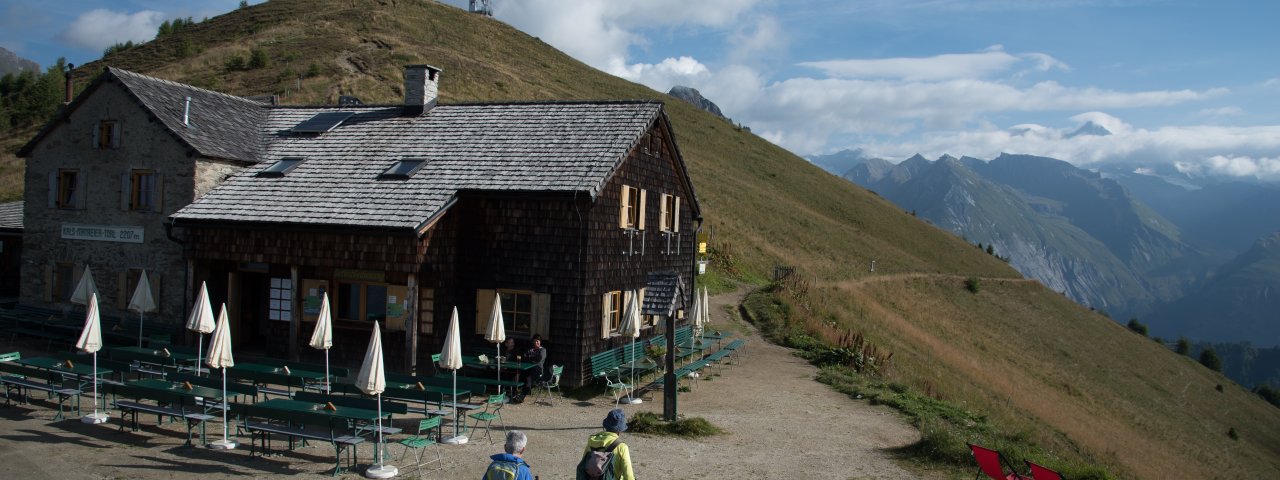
[[157, 194], [53, 189], [542, 314], [97, 131], [675, 216], [484, 306], [115, 134], [126, 191], [604, 314], [662, 214], [48, 283], [640, 304], [624, 201], [81, 189], [122, 300], [640, 210]]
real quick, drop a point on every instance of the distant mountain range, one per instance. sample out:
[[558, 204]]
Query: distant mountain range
[[1094, 237], [11, 63]]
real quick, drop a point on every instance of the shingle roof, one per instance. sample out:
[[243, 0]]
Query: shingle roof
[[663, 294], [11, 216], [555, 147], [219, 125]]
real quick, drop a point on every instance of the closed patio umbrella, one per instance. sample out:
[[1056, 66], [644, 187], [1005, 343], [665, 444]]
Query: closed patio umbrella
[[631, 327], [372, 380], [695, 314], [220, 357], [451, 359], [201, 321], [322, 337], [90, 342], [142, 301], [497, 331], [84, 289]]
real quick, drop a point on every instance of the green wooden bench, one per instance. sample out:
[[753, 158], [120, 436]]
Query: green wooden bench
[[167, 404], [263, 422], [11, 356], [606, 365], [262, 379], [389, 407], [20, 380]]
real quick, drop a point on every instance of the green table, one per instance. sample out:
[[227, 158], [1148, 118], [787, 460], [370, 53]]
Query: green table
[[293, 372], [153, 356], [83, 368], [349, 413], [474, 361], [177, 388]]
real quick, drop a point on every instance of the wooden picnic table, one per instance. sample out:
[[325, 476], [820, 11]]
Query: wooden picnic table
[[474, 361], [60, 366], [155, 356], [177, 388], [293, 372], [349, 413]]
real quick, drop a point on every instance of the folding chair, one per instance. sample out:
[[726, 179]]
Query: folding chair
[[492, 411], [420, 442], [993, 464], [1041, 473], [553, 382]]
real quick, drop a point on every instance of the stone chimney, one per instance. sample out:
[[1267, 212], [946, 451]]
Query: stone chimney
[[421, 88]]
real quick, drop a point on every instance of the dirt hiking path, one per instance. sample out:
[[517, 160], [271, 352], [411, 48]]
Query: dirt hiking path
[[780, 423]]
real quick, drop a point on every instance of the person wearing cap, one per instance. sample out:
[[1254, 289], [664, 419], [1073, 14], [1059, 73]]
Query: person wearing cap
[[614, 424], [510, 464]]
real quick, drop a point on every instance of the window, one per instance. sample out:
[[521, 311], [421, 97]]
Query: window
[[107, 135], [612, 319], [281, 297], [631, 214], [402, 169], [281, 167], [68, 185], [517, 311], [142, 191], [64, 282], [362, 301], [669, 213]]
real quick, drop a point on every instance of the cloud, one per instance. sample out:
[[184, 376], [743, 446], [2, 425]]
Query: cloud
[[101, 28], [1222, 112], [602, 32], [763, 36], [1112, 124], [1236, 166], [939, 67], [663, 75]]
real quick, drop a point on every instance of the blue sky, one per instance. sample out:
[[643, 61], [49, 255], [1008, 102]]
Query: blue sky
[[1189, 83]]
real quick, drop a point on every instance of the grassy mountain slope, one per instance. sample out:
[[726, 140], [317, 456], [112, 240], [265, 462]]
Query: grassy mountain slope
[[1075, 386]]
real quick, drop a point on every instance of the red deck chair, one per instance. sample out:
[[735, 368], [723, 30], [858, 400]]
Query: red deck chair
[[993, 464], [1040, 473]]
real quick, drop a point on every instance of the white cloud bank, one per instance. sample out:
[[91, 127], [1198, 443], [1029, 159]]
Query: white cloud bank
[[102, 28], [939, 67]]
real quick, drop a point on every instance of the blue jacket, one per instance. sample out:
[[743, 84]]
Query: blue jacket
[[522, 468]]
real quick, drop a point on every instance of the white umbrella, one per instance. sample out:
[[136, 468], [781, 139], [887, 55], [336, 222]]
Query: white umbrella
[[201, 321], [90, 342], [322, 337], [631, 327], [695, 314], [220, 357], [372, 380], [142, 301], [85, 289], [451, 359], [497, 331], [706, 308]]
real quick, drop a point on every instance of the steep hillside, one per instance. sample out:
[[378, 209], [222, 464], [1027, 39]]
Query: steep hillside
[[770, 207], [1240, 301]]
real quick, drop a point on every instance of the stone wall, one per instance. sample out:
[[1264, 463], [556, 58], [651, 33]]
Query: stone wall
[[105, 180]]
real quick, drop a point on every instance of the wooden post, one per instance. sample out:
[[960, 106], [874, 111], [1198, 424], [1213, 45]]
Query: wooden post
[[669, 386], [411, 327], [295, 313]]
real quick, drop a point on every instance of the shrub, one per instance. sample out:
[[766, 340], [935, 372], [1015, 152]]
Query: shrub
[[1269, 394], [1137, 327], [1184, 346], [1233, 434], [1209, 358], [651, 423], [258, 59], [971, 284], [235, 62]]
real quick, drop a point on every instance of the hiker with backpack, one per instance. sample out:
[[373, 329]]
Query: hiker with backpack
[[510, 465], [606, 457]]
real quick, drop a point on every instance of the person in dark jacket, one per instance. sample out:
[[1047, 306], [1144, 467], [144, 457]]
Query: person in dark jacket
[[537, 356]]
